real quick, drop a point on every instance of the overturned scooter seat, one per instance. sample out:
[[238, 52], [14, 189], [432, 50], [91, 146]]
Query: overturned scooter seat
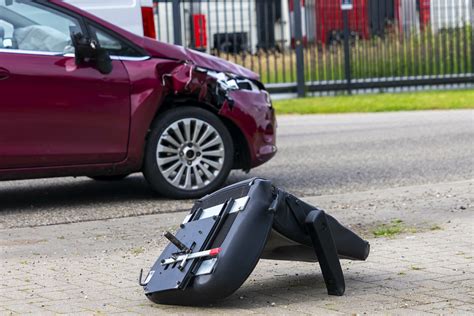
[[220, 242]]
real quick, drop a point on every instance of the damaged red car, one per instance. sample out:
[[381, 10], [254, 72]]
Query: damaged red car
[[82, 97]]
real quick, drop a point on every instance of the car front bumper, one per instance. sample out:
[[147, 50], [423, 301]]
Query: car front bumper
[[253, 113]]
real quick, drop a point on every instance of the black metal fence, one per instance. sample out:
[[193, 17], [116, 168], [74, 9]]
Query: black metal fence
[[306, 46]]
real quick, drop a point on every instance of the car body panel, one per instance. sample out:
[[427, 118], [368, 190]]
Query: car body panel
[[147, 96], [199, 59], [251, 112], [56, 113]]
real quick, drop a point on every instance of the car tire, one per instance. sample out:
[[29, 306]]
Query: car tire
[[189, 153], [110, 178]]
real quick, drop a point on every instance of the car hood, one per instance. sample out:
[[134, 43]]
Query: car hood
[[168, 51]]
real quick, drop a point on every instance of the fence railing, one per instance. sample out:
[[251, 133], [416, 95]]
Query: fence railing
[[306, 46]]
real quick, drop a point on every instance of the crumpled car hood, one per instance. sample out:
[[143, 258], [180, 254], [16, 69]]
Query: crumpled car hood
[[164, 50]]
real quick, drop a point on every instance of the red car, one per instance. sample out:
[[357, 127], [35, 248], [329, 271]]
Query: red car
[[80, 96]]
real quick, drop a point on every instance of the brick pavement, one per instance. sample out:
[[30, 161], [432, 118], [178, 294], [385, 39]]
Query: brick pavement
[[92, 267]]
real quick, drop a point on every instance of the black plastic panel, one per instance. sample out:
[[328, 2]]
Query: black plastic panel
[[170, 277]]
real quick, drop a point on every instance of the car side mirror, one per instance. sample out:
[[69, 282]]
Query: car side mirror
[[87, 50]]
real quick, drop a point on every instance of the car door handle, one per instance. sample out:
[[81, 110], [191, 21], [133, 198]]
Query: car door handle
[[4, 74]]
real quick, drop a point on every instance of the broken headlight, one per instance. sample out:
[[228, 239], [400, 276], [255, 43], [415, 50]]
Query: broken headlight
[[231, 82], [227, 82]]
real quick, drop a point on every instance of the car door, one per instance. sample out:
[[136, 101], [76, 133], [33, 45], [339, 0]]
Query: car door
[[52, 112]]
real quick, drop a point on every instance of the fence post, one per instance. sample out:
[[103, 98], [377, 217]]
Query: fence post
[[472, 40], [177, 22], [347, 50], [299, 48]]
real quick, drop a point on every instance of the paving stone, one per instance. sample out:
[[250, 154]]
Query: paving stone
[[62, 308], [24, 308], [94, 269], [405, 311]]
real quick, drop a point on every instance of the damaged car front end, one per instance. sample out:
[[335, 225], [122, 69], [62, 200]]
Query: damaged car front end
[[242, 101], [232, 94]]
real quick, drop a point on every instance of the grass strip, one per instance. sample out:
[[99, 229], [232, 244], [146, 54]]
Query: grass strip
[[386, 102]]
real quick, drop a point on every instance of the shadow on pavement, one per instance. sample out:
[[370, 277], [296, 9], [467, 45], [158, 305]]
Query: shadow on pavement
[[56, 193], [280, 290]]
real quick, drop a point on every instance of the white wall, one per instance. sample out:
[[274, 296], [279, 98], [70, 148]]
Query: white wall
[[450, 13], [409, 17]]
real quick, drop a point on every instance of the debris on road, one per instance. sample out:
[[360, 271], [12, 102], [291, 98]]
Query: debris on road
[[227, 232]]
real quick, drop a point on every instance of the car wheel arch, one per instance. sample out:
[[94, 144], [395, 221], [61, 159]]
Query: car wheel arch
[[241, 146]]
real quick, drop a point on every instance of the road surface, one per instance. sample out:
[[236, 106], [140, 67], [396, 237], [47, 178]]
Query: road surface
[[318, 155]]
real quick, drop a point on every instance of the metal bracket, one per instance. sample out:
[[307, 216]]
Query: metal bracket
[[175, 241], [183, 258], [140, 279]]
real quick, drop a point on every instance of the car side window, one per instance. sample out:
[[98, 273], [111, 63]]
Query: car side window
[[113, 44], [31, 26]]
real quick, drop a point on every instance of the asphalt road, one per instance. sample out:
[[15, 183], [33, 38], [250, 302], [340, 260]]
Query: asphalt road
[[358, 152], [318, 155]]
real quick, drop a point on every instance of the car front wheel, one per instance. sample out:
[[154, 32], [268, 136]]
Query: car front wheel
[[189, 153]]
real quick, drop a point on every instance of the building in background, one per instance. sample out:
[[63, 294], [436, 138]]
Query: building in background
[[235, 26], [226, 26]]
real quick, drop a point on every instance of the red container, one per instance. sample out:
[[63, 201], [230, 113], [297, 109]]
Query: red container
[[148, 19], [200, 34], [329, 19], [425, 7]]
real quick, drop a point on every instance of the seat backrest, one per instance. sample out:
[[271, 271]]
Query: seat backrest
[[289, 222], [40, 38], [239, 228]]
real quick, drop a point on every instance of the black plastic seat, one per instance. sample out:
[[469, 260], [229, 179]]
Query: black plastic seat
[[221, 241]]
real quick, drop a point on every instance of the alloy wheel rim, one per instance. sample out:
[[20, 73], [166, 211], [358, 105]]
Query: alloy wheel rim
[[190, 154]]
